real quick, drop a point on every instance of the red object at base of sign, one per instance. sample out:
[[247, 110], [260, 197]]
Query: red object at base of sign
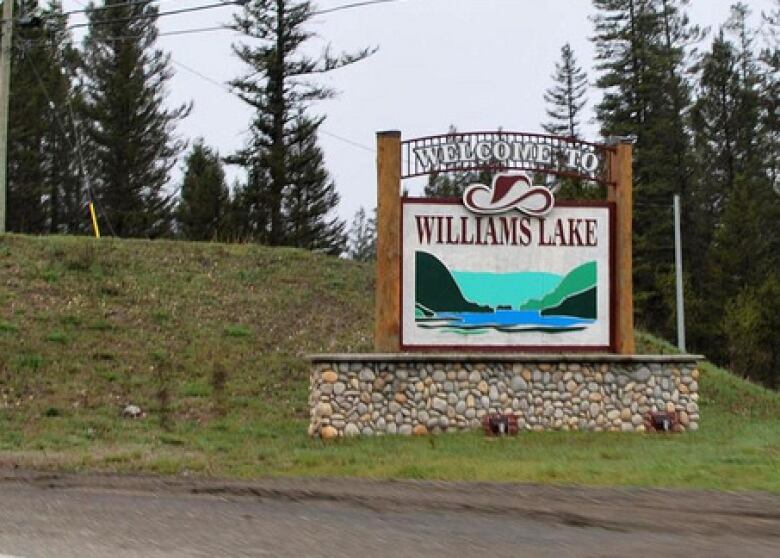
[[499, 424], [662, 422]]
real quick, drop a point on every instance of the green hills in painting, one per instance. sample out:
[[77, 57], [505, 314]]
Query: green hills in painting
[[575, 295], [437, 291]]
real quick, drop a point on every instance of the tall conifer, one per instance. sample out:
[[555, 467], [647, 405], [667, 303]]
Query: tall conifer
[[566, 98], [203, 206], [280, 86], [311, 197], [642, 51], [734, 148], [129, 130], [362, 236], [44, 192]]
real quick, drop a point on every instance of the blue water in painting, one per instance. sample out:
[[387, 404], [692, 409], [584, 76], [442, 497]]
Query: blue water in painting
[[508, 318]]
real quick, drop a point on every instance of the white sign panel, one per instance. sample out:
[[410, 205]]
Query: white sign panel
[[514, 279]]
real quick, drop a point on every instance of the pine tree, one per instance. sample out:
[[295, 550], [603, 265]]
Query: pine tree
[[361, 244], [279, 87], [565, 103], [566, 99], [236, 226], [754, 320], [203, 206], [312, 195], [738, 234], [643, 54], [129, 131], [44, 193]]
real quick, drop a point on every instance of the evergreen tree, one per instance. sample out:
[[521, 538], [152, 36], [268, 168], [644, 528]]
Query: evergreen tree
[[736, 233], [565, 103], [643, 54], [129, 131], [361, 244], [714, 123], [566, 99], [237, 222], [754, 320], [311, 196], [279, 87], [203, 206], [44, 193]]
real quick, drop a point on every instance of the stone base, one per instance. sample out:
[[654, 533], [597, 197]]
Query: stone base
[[375, 394]]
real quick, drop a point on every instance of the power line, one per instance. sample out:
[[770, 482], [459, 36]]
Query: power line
[[228, 90], [190, 9], [195, 30], [87, 10], [155, 15], [347, 141], [197, 8], [353, 5], [163, 34], [203, 76]]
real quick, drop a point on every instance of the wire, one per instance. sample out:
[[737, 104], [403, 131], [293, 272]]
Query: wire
[[88, 10], [230, 91], [348, 141], [201, 29], [195, 30], [191, 9], [163, 34], [203, 76], [154, 15], [353, 5]]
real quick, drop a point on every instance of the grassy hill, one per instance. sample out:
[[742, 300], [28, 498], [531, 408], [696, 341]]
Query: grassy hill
[[209, 341]]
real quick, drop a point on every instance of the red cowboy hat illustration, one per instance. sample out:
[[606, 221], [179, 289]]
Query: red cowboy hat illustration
[[509, 191]]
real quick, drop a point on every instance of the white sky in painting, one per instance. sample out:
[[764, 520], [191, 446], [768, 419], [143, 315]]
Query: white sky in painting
[[478, 64]]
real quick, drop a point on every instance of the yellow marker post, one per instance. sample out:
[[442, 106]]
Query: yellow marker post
[[94, 220]]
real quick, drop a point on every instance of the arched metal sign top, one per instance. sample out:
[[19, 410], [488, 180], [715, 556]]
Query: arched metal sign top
[[500, 150]]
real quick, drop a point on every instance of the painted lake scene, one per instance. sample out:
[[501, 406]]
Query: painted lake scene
[[473, 303]]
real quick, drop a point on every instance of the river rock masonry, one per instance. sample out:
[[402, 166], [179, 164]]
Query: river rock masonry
[[409, 394]]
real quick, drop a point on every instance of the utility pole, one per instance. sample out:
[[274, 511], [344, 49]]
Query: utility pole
[[5, 88], [679, 273]]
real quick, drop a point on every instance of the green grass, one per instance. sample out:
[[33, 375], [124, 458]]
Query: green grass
[[216, 336]]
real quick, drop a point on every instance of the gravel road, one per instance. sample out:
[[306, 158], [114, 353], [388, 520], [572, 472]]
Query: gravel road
[[98, 515]]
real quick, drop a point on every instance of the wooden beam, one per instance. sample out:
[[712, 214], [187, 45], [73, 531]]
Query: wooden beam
[[387, 320], [621, 193]]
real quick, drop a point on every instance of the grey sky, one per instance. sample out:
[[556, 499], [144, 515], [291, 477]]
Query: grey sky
[[478, 64]]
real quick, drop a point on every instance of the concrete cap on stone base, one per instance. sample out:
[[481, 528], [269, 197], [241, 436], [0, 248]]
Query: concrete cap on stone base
[[503, 357]]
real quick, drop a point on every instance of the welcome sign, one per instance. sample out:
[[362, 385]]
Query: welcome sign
[[506, 268]]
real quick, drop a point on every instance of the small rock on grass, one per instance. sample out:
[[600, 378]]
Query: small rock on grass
[[132, 411]]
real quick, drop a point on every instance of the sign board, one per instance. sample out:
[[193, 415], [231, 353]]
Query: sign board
[[506, 268]]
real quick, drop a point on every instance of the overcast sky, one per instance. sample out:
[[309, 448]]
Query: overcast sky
[[477, 64]]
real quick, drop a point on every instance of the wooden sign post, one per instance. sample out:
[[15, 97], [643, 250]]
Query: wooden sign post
[[387, 319], [620, 191]]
